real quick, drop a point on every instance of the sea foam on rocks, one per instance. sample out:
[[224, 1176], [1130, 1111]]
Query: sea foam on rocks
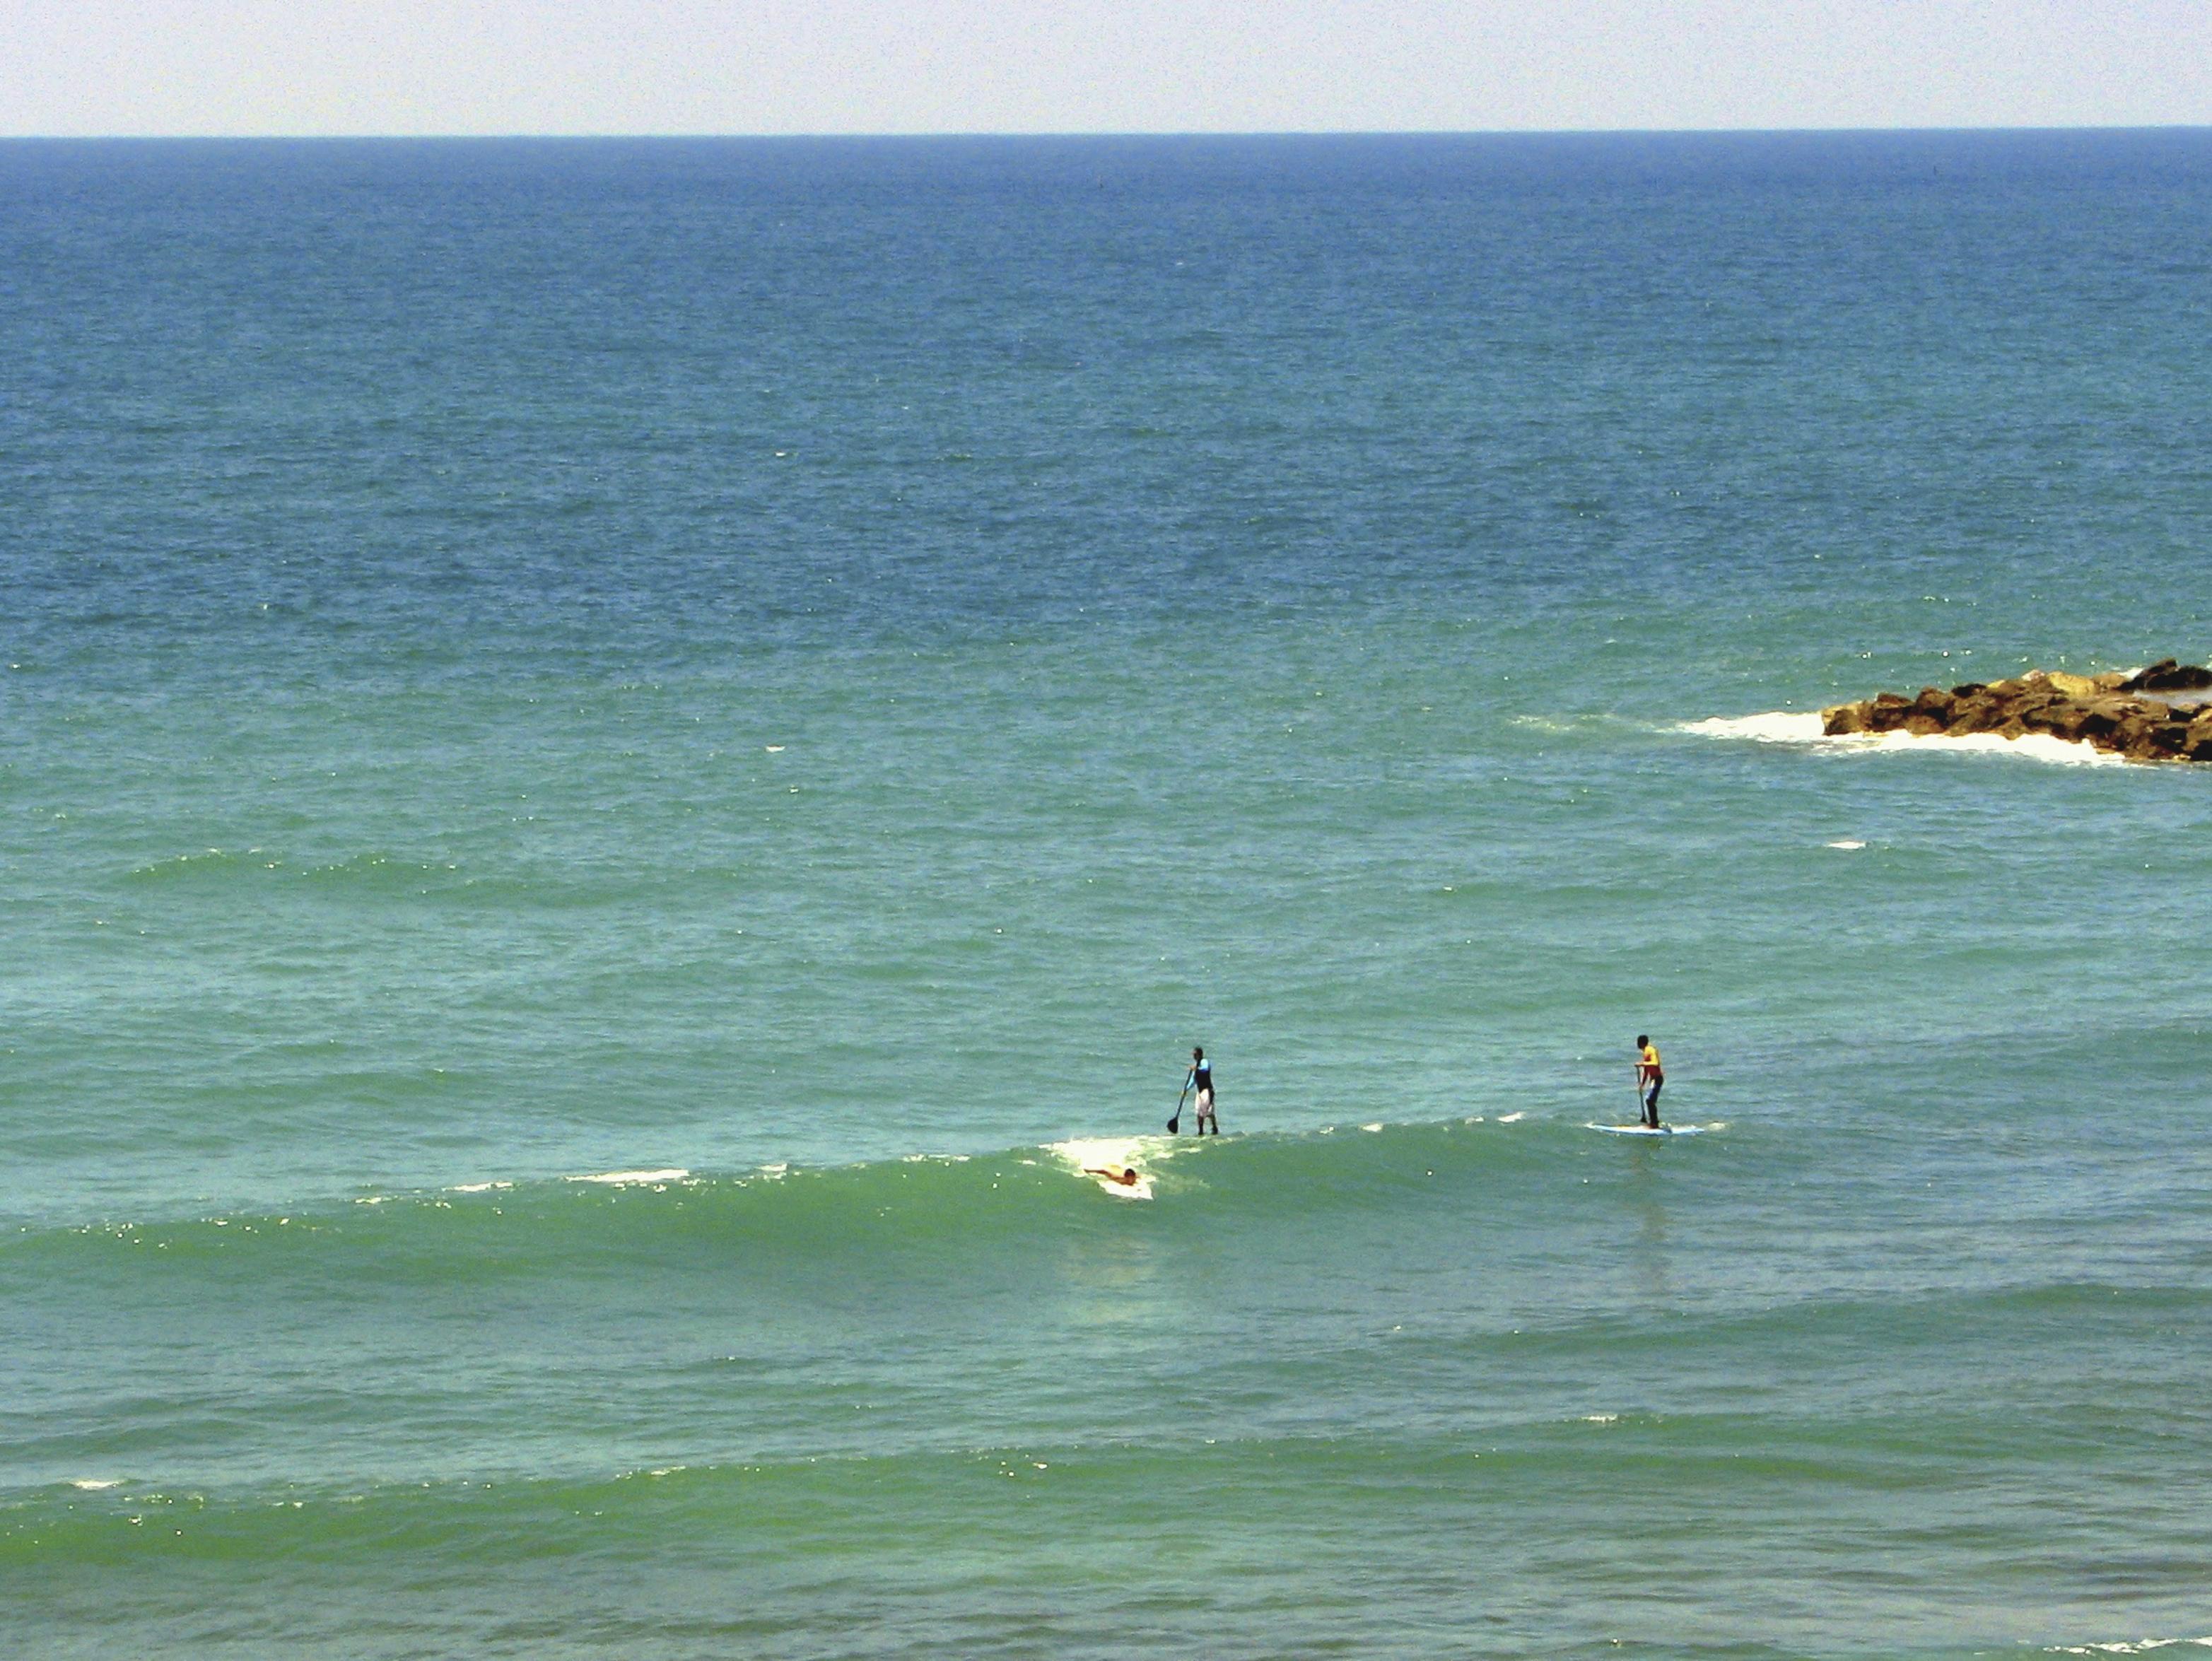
[[2114, 712]]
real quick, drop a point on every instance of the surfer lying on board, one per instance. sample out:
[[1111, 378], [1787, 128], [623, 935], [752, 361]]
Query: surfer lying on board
[[1202, 1079], [1124, 1174], [1651, 1077]]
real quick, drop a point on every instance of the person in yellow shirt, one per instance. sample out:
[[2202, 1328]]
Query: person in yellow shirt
[[1651, 1077]]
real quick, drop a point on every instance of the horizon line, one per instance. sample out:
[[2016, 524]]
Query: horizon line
[[584, 136]]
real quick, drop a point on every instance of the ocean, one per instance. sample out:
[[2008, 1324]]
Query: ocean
[[618, 760]]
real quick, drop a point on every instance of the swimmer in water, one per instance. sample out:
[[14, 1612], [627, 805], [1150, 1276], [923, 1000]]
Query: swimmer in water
[[1124, 1174]]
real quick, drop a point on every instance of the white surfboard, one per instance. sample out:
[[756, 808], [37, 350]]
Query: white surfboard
[[1140, 1189], [1647, 1131]]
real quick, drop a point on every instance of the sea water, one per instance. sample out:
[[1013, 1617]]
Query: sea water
[[617, 760]]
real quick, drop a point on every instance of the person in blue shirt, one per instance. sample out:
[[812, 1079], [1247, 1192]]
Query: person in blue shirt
[[1202, 1079]]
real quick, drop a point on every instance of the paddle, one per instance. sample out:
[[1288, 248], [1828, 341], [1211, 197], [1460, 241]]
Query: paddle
[[1175, 1124]]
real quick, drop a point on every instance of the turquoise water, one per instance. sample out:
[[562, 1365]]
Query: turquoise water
[[616, 758]]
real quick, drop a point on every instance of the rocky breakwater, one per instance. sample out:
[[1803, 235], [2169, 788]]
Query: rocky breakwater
[[2119, 713]]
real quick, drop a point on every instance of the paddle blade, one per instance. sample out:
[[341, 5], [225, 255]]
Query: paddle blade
[[1174, 1125]]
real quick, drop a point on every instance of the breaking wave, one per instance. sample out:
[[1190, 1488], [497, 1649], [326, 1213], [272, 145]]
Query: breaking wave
[[1803, 727]]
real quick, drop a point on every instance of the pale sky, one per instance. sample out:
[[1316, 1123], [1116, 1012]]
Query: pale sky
[[78, 67]]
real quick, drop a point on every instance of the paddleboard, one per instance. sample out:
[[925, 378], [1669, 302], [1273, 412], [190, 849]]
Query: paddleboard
[[1647, 1131]]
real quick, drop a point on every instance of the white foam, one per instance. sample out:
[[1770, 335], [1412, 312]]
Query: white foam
[[1847, 845], [623, 1176], [2034, 747], [477, 1187], [1372, 1129], [94, 1484], [2139, 1646], [1512, 1119], [1104, 1150], [1793, 727], [1775, 727]]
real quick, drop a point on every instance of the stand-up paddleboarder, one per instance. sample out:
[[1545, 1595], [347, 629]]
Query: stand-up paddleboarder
[[1202, 1079], [1651, 1077]]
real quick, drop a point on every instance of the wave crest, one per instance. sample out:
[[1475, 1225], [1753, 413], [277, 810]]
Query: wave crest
[[921, 1203]]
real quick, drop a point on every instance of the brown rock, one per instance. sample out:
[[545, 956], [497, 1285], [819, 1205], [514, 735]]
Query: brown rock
[[2100, 716], [2171, 738], [2064, 720], [1977, 713], [2167, 676], [1886, 713], [2131, 734], [2082, 708]]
